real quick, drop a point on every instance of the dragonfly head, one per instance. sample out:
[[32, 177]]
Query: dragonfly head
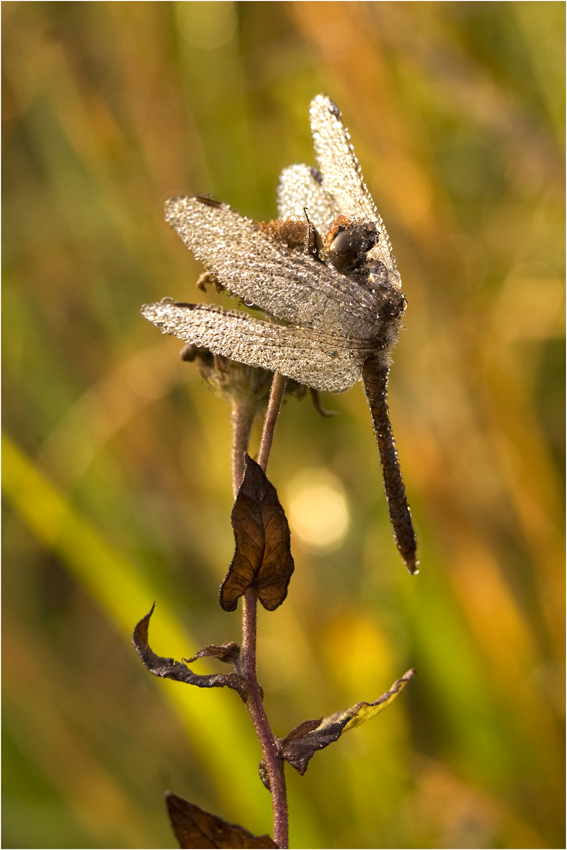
[[348, 242]]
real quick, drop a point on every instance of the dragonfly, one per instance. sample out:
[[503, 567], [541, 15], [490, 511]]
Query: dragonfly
[[325, 277]]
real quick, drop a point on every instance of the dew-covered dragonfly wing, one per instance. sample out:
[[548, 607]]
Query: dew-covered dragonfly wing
[[301, 192], [338, 164], [337, 187], [316, 359], [289, 285]]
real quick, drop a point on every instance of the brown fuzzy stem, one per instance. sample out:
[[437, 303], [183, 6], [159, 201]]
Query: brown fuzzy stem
[[276, 396], [271, 757], [242, 418]]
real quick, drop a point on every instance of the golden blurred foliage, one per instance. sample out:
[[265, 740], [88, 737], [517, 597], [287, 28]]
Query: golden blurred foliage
[[117, 458]]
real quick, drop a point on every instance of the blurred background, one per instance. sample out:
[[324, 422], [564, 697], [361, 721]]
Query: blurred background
[[116, 459]]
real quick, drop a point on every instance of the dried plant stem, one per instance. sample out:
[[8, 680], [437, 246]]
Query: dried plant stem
[[276, 395], [255, 706], [242, 418]]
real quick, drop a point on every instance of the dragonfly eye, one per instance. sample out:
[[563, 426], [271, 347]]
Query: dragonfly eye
[[351, 244]]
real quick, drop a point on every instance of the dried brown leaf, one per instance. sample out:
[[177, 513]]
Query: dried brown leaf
[[302, 730], [262, 559], [229, 653], [301, 744], [193, 827], [168, 668]]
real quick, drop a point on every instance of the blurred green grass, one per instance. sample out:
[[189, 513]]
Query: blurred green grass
[[117, 473]]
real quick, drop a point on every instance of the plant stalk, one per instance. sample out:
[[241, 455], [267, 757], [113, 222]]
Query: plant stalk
[[274, 404], [254, 704], [242, 419], [241, 425]]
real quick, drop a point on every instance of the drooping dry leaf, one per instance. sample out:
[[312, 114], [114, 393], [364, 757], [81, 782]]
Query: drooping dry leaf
[[303, 741], [264, 775], [193, 827], [168, 668], [263, 557], [229, 653], [303, 729], [299, 732]]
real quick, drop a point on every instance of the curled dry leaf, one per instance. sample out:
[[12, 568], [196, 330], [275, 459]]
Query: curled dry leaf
[[168, 668], [303, 741], [264, 775], [229, 653], [193, 827], [299, 732], [302, 730], [262, 559]]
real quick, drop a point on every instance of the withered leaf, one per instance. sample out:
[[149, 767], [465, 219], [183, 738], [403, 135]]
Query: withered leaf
[[193, 827], [299, 732], [229, 653], [262, 559], [300, 745], [168, 668], [264, 775], [302, 730]]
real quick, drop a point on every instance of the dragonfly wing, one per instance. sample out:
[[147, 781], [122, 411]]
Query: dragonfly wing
[[301, 192], [342, 177], [318, 360], [287, 284]]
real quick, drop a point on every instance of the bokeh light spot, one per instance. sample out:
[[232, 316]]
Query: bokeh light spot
[[318, 510]]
